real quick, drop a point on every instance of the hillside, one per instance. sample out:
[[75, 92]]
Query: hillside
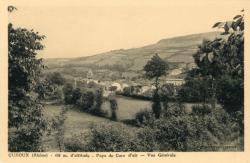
[[174, 50]]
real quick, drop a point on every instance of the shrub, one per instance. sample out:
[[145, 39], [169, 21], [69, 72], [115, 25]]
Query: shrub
[[176, 109], [113, 107], [127, 91], [113, 138], [171, 133], [175, 131], [201, 109], [76, 95], [68, 90], [144, 118], [86, 102], [55, 78], [156, 106], [233, 99], [147, 140], [57, 94], [97, 109], [26, 138], [201, 130], [195, 132], [104, 137], [77, 143]]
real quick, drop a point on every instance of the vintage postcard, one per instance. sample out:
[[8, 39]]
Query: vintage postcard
[[124, 80]]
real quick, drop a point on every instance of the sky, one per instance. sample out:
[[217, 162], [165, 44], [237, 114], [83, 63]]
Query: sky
[[85, 28]]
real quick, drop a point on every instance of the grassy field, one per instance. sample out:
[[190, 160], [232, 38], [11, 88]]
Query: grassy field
[[128, 107], [77, 122]]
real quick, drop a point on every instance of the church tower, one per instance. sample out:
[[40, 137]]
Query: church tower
[[90, 74]]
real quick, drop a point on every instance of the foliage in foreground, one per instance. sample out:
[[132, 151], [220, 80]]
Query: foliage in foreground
[[175, 131], [111, 137], [25, 119]]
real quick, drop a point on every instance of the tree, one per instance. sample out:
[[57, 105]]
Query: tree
[[68, 90], [154, 69], [166, 93], [98, 102], [208, 65], [86, 102], [220, 64], [230, 89], [113, 107], [76, 95], [195, 88], [25, 117], [56, 78]]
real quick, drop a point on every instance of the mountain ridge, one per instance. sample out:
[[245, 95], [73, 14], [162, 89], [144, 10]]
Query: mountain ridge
[[174, 49]]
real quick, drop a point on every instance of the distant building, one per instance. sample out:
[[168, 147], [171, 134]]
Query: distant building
[[124, 85], [90, 74], [175, 82], [176, 72], [117, 85], [145, 89]]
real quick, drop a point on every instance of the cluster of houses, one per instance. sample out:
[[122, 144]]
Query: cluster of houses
[[122, 86]]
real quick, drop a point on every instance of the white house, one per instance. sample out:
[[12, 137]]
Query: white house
[[175, 72], [90, 74], [175, 82], [124, 85], [145, 89], [117, 85]]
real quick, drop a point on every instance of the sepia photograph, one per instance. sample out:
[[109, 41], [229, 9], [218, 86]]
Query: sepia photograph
[[139, 76]]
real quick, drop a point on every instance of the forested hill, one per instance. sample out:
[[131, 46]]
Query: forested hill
[[174, 50]]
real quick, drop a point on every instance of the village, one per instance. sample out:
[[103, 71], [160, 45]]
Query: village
[[126, 86]]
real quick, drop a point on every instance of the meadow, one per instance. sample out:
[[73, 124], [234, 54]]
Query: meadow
[[78, 122], [128, 107]]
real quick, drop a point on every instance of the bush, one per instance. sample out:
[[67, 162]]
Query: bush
[[108, 138], [76, 95], [144, 118], [156, 106], [199, 131], [97, 109], [112, 138], [175, 131], [147, 140], [77, 143], [68, 90], [172, 133], [176, 109], [233, 99], [113, 107], [55, 78], [201, 109], [27, 138], [86, 102]]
